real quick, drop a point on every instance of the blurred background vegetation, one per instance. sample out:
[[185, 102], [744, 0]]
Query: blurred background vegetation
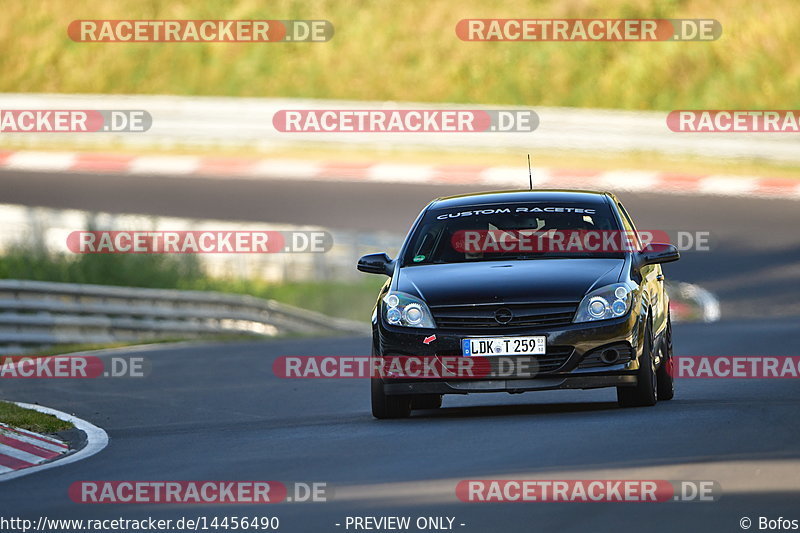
[[409, 51]]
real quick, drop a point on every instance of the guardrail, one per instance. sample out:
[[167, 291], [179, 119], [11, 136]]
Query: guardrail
[[35, 314]]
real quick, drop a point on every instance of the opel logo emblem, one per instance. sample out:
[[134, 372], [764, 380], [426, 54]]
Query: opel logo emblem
[[503, 315]]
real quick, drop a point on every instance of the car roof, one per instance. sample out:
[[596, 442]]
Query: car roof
[[522, 196]]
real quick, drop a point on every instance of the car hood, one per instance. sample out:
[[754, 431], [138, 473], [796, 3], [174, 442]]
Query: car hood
[[508, 281]]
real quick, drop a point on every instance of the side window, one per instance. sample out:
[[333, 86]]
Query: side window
[[629, 226]]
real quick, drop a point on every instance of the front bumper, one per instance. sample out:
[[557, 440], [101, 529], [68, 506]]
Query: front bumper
[[578, 343], [511, 386]]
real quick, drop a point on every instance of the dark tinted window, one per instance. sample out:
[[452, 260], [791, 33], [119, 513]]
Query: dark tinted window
[[433, 241]]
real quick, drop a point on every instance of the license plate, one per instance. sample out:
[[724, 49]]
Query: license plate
[[486, 346]]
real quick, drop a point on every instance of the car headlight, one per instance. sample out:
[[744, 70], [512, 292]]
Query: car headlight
[[401, 309], [611, 301]]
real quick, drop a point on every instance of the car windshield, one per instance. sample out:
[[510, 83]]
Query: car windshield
[[520, 231]]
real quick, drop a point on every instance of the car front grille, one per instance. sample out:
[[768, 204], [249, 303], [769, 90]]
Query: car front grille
[[554, 359], [503, 316]]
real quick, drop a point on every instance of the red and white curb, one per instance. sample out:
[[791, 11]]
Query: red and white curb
[[24, 452], [23, 449], [493, 177]]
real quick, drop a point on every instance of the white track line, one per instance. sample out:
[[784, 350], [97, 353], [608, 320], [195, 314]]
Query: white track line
[[40, 161], [391, 173], [165, 165]]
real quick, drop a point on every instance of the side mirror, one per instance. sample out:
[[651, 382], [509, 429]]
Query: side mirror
[[376, 264], [656, 253]]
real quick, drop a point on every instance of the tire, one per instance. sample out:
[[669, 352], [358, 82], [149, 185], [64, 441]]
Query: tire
[[645, 393], [388, 406], [426, 401], [665, 375]]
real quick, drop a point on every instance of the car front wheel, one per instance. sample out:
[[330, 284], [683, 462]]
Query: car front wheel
[[645, 392], [665, 373], [388, 406]]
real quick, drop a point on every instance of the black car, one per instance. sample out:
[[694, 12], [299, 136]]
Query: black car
[[589, 317]]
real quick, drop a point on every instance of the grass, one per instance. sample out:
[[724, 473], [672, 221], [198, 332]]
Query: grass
[[407, 50], [16, 416], [353, 300]]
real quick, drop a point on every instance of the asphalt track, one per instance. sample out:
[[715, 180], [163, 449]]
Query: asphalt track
[[216, 412]]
